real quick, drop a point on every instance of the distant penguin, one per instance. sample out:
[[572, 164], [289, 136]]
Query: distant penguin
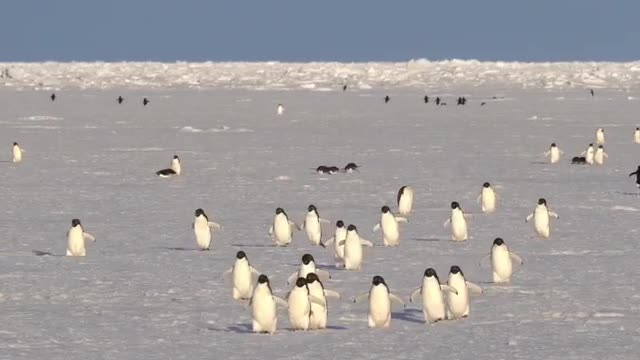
[[313, 225], [636, 135], [280, 109], [202, 228], [174, 170], [307, 266], [319, 314], [380, 299], [600, 136], [458, 304], [17, 152], [579, 160], [541, 218], [459, 101], [120, 99], [592, 92], [299, 303], [264, 307], [333, 169], [437, 100], [76, 238], [599, 156], [145, 102], [386, 99], [243, 277], [405, 200], [322, 169], [53, 97], [337, 241], [353, 248], [487, 198], [464, 100], [433, 305], [589, 154], [282, 229], [344, 87], [426, 99], [350, 167], [554, 153], [458, 222], [637, 174], [502, 260], [390, 228], [483, 103]]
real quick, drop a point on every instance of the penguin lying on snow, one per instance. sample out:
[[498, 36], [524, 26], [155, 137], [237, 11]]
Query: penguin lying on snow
[[579, 160]]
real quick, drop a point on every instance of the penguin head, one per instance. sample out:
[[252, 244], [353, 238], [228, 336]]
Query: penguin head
[[430, 272], [322, 169], [377, 280], [498, 242], [553, 144], [455, 269], [340, 223], [455, 205], [15, 144], [600, 147], [313, 277], [263, 279], [241, 255], [311, 208], [75, 222], [638, 128], [542, 201], [352, 227], [175, 157], [486, 185], [590, 144], [351, 166], [385, 209], [307, 258], [333, 169], [301, 282], [199, 212], [279, 211]]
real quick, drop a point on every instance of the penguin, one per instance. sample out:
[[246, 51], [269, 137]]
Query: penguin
[[338, 247], [588, 154], [319, 314], [76, 238], [579, 160], [280, 109], [600, 136], [637, 174], [344, 87], [483, 103], [322, 169], [386, 99], [464, 100], [264, 307], [353, 248], [53, 97], [487, 198], [554, 153], [299, 303], [313, 226], [389, 225], [636, 136], [120, 99], [333, 169], [17, 152], [426, 99], [202, 228], [433, 305], [437, 101], [380, 299], [145, 102], [502, 260], [458, 223], [591, 92], [600, 155], [308, 265], [459, 101], [405, 200], [282, 229], [243, 275], [351, 167], [541, 218], [174, 170], [458, 302]]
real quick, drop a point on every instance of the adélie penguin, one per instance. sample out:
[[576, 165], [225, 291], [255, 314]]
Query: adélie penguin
[[380, 299]]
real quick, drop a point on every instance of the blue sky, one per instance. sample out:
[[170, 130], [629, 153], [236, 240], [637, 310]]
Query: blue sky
[[201, 30]]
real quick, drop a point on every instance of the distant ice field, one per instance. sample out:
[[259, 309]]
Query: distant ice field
[[143, 291]]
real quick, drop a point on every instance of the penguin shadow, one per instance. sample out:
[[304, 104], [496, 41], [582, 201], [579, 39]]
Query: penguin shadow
[[175, 248], [256, 246], [324, 267], [44, 253], [627, 193], [430, 239], [237, 329], [539, 163], [410, 315], [5, 161]]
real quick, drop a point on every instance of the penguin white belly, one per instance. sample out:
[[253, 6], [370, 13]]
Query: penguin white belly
[[282, 230], [352, 254], [314, 230], [488, 200], [458, 305], [299, 309], [459, 226], [405, 204], [339, 249], [598, 158], [600, 138], [75, 245], [636, 137], [390, 230], [17, 154], [589, 157], [541, 222], [319, 314], [203, 232], [264, 311], [555, 155], [434, 308], [379, 307], [306, 269], [502, 264], [242, 281]]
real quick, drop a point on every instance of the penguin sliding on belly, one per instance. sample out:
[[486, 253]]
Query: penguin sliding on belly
[[174, 170]]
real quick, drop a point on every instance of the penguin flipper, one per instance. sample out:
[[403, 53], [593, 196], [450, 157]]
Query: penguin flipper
[[342, 242], [360, 297], [323, 275], [552, 214], [214, 225], [475, 289], [330, 241], [447, 222], [515, 257], [271, 230], [414, 294], [479, 198], [316, 300], [227, 273], [528, 218], [88, 236], [397, 300], [332, 294], [292, 278], [445, 287], [365, 242], [294, 225], [325, 221], [402, 219], [485, 261], [254, 272], [377, 227], [280, 301]]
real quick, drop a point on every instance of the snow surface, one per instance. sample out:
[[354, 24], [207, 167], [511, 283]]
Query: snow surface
[[143, 292]]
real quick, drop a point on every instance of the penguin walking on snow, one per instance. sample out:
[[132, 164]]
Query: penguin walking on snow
[[319, 314], [502, 261], [76, 238], [405, 200], [588, 154], [554, 153], [433, 306], [458, 222], [458, 304], [282, 229], [264, 307], [17, 152], [353, 244], [243, 277], [426, 99], [636, 136], [337, 240], [599, 156], [203, 229], [280, 109], [120, 99], [380, 299], [145, 102], [389, 225], [313, 225], [299, 302], [386, 99], [487, 198], [541, 217], [53, 97], [637, 174], [307, 266]]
